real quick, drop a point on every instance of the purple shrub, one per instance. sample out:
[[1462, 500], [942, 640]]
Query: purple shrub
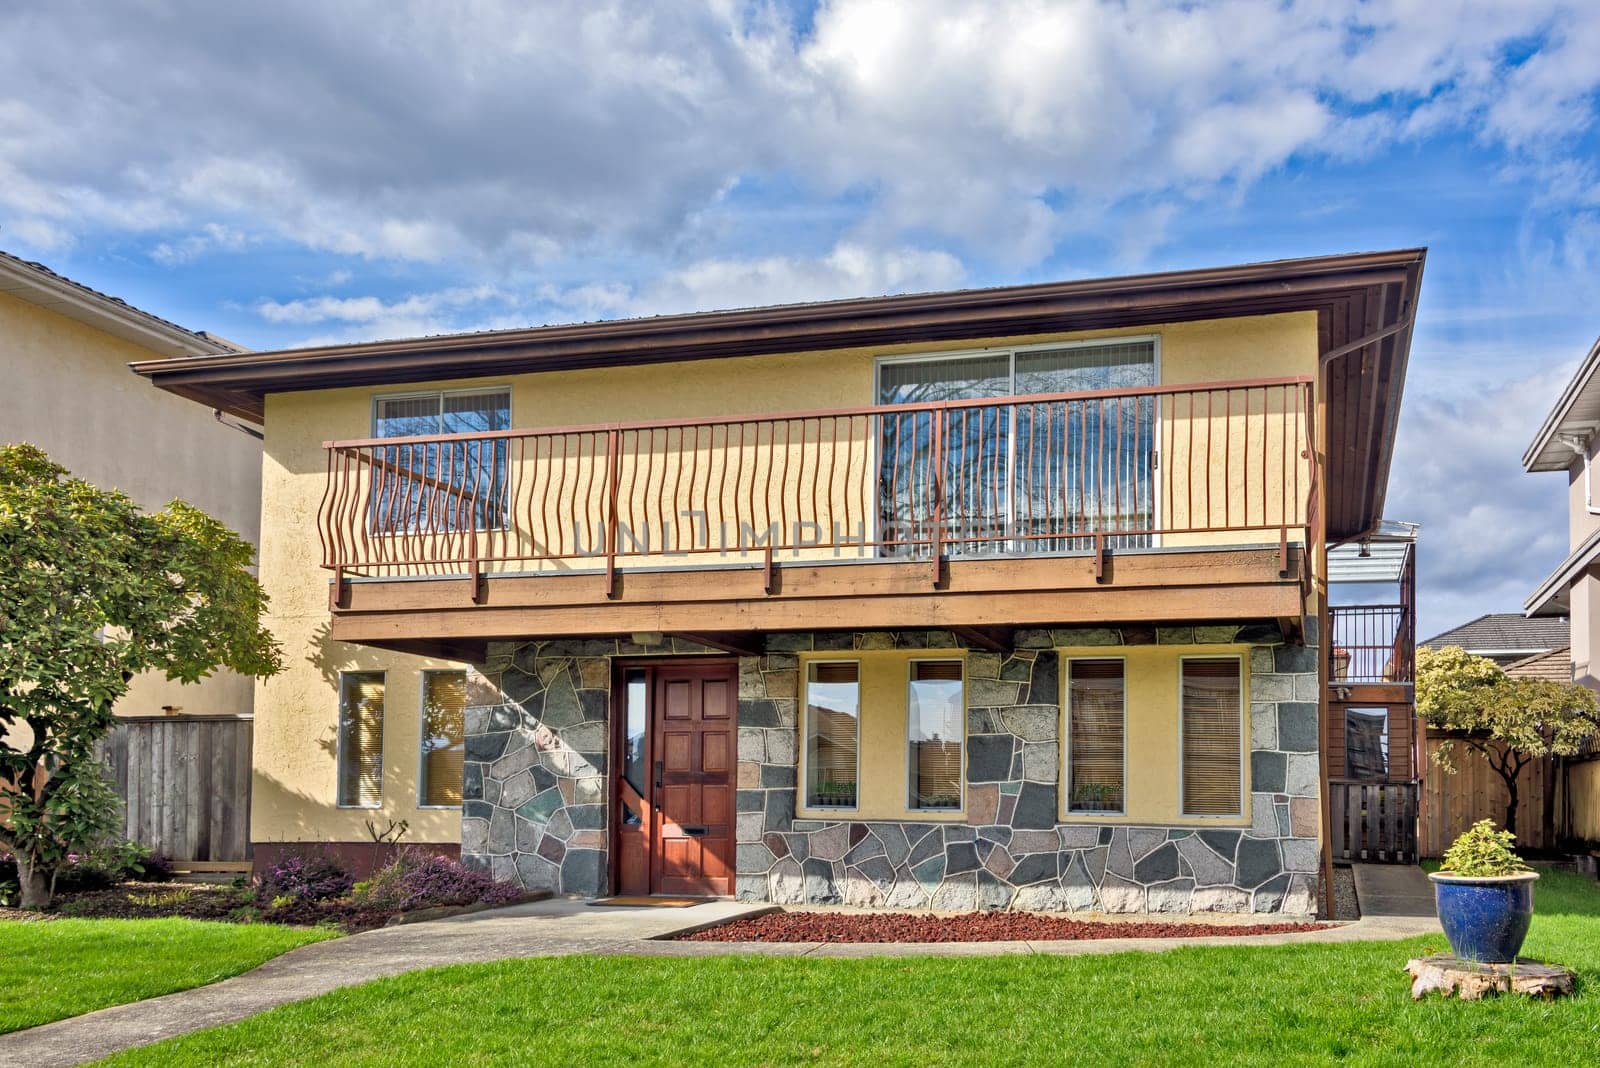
[[303, 877], [418, 879]]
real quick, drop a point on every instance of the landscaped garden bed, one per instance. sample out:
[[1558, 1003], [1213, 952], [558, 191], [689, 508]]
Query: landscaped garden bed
[[802, 926], [302, 889]]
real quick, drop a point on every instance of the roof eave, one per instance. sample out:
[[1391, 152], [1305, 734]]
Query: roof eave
[[113, 317], [1538, 456], [239, 383]]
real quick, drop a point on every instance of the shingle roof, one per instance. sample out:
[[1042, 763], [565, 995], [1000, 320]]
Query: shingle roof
[[1505, 632], [36, 283], [1556, 665]]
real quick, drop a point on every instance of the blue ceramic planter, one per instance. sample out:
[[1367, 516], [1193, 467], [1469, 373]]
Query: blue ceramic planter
[[1485, 919]]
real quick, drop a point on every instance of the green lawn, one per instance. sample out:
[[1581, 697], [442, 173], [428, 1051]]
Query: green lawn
[[58, 968], [1213, 1006]]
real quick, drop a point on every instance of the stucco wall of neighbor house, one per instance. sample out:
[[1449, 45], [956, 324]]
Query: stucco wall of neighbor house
[[297, 711], [69, 391], [537, 759], [1580, 524]]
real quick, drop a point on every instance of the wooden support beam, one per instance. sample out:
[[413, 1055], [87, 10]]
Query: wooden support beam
[[740, 643], [994, 639]]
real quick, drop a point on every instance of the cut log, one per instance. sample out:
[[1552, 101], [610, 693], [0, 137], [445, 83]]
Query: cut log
[[1469, 980]]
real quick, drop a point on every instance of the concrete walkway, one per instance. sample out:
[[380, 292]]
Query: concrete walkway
[[564, 927]]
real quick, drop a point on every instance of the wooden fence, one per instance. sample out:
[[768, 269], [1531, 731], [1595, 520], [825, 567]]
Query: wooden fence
[[184, 783], [1373, 821], [1453, 802]]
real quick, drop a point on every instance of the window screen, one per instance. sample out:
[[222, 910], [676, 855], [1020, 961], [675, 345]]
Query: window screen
[[444, 706], [1212, 715], [1096, 704], [361, 739], [937, 709], [833, 734]]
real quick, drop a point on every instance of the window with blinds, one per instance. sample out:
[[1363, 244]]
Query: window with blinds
[[1212, 725], [361, 739], [833, 734], [936, 707], [436, 486], [1096, 710], [444, 710]]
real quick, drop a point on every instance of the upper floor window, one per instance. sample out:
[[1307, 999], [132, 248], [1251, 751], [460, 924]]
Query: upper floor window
[[440, 486], [1021, 475]]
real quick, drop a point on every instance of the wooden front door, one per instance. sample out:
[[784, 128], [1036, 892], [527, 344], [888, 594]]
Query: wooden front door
[[676, 819]]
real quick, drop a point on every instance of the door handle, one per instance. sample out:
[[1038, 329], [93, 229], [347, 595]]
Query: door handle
[[658, 775]]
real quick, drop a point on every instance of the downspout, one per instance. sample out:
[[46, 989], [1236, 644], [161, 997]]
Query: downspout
[[1579, 444], [240, 427]]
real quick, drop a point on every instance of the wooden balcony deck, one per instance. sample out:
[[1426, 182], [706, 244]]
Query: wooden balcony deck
[[1153, 504]]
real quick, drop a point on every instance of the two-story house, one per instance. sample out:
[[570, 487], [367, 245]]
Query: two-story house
[[1566, 443], [1003, 597]]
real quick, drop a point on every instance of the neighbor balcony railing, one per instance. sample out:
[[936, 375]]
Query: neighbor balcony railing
[[1221, 464]]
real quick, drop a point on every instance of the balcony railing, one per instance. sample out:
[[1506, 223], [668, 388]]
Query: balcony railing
[[1372, 643], [1167, 466]]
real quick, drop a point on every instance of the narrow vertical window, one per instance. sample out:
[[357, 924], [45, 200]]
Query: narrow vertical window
[[1096, 709], [361, 739], [833, 734], [444, 710], [634, 757], [1212, 728], [1366, 743], [937, 709]]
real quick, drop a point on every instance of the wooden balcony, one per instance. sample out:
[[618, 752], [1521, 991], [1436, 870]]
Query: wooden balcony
[[1150, 504]]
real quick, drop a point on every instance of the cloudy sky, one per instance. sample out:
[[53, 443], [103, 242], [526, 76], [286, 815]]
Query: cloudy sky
[[297, 172]]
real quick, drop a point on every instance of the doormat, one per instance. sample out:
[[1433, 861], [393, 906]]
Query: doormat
[[652, 902]]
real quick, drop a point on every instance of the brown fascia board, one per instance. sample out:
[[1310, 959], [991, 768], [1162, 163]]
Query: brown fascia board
[[238, 383]]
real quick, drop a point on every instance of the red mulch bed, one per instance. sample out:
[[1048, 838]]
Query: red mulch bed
[[966, 927]]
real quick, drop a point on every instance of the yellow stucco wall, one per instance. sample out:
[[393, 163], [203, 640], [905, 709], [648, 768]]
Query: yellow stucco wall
[[297, 712], [1151, 758], [67, 389]]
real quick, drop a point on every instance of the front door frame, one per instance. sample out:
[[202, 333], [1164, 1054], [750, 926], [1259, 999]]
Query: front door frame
[[620, 666]]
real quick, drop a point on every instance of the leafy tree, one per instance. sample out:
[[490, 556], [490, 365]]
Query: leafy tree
[[93, 592], [1510, 721]]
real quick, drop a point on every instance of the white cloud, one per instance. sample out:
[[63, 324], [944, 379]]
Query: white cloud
[[507, 133], [1490, 531]]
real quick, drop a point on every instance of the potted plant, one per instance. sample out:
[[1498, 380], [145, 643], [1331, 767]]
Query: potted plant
[[1484, 895]]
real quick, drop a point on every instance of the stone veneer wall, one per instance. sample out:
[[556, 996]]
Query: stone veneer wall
[[535, 809]]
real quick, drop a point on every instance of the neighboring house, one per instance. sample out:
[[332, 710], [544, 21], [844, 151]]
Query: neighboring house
[[1005, 597], [1554, 666], [1505, 637], [180, 758], [1566, 443], [66, 350]]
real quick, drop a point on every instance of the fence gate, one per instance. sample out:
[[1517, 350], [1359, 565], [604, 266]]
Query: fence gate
[[184, 784], [1374, 821]]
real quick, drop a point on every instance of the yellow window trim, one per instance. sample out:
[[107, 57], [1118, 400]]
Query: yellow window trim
[[1153, 787], [870, 763]]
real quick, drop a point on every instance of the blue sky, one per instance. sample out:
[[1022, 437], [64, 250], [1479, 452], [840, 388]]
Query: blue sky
[[299, 172]]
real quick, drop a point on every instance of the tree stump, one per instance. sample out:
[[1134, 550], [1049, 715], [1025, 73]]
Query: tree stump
[[1470, 980]]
